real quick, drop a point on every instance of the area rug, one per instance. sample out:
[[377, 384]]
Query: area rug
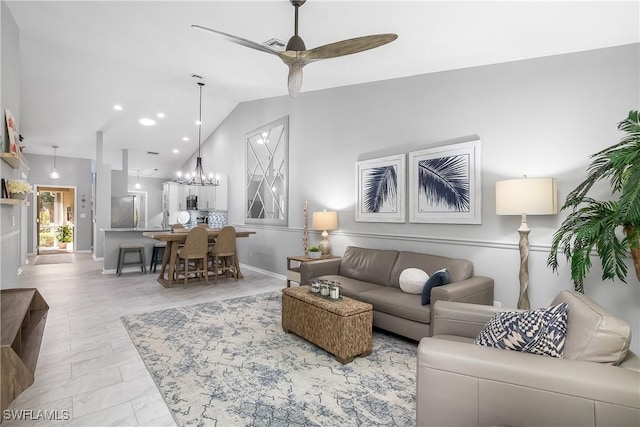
[[229, 363], [54, 259]]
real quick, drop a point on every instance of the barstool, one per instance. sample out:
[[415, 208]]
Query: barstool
[[131, 247], [156, 255]]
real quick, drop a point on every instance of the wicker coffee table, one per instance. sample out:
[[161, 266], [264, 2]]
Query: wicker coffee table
[[343, 327]]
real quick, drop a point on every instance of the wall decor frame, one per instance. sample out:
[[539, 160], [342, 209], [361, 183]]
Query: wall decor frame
[[267, 174], [381, 189], [445, 184], [12, 133]]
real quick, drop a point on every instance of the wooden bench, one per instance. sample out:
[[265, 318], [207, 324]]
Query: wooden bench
[[24, 313]]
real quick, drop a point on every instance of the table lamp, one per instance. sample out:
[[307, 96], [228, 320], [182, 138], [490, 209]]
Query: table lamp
[[325, 221], [526, 196]]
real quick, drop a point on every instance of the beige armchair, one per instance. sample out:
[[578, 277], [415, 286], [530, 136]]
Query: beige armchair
[[459, 383]]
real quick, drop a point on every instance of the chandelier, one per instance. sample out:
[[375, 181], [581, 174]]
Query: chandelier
[[198, 177]]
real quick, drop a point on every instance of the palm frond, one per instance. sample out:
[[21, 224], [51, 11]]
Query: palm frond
[[590, 227], [614, 163], [380, 186], [445, 181]]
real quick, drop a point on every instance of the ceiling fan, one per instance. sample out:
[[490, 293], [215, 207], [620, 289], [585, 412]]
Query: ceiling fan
[[296, 54]]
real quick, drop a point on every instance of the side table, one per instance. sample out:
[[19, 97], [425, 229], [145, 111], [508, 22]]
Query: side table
[[293, 266]]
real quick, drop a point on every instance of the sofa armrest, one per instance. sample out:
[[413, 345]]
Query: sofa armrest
[[498, 380], [462, 319], [475, 290], [321, 267]]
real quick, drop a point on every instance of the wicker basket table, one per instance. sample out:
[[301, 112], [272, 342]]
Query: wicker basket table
[[343, 327]]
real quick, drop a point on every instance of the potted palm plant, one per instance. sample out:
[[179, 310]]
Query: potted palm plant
[[64, 235], [611, 227]]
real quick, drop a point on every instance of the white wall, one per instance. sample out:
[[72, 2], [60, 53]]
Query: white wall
[[12, 240], [540, 117]]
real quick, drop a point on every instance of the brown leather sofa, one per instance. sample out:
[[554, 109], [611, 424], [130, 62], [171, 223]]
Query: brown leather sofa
[[459, 383], [372, 276]]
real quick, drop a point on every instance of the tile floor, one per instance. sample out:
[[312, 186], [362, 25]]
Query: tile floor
[[88, 367]]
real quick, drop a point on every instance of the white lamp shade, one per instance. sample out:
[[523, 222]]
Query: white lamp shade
[[529, 196], [325, 220]]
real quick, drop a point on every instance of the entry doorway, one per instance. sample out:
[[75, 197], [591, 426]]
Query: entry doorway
[[55, 220]]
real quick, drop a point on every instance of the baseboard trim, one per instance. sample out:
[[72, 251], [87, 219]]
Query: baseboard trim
[[265, 272], [124, 270]]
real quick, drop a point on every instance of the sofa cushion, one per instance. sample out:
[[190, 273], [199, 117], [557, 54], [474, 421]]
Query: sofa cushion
[[412, 280], [540, 331], [439, 278], [397, 303], [350, 287], [593, 334], [459, 269], [368, 265]]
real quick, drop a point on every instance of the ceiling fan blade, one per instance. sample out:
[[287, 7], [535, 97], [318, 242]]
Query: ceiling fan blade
[[239, 40], [348, 47], [294, 81]]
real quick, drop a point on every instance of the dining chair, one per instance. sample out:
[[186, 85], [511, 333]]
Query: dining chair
[[193, 256], [223, 253]]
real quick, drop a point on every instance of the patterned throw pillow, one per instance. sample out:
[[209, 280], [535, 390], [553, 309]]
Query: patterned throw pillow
[[540, 331]]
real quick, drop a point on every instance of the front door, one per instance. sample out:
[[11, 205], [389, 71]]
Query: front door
[[55, 221]]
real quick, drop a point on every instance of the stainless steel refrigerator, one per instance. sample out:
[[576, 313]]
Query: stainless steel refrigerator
[[123, 212]]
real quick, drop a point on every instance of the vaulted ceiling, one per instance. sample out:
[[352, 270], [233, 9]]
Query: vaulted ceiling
[[80, 58]]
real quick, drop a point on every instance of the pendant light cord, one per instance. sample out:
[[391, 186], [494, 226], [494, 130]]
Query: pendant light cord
[[200, 119]]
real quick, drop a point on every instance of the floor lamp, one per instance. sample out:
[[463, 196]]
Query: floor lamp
[[325, 221], [526, 196]]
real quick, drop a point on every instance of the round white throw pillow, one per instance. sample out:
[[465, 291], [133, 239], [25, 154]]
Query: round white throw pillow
[[412, 280]]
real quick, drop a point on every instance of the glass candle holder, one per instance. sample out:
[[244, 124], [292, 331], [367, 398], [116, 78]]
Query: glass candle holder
[[334, 292], [324, 289], [314, 287]]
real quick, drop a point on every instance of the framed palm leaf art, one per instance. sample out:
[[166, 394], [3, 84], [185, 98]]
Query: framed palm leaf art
[[380, 192], [445, 184]]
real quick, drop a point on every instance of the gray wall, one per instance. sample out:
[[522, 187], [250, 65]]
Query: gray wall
[[73, 173], [11, 217], [540, 117]]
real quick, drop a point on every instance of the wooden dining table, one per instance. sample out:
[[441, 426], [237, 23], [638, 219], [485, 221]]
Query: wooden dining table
[[174, 239]]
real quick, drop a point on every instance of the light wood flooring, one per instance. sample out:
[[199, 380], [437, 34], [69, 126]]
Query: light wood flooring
[[88, 365]]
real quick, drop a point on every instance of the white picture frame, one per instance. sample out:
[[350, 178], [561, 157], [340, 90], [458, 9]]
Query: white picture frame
[[445, 184], [381, 189]]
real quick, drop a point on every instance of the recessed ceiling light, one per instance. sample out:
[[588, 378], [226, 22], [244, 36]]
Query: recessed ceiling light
[[198, 122], [147, 122], [176, 151], [185, 138], [160, 115], [117, 107]]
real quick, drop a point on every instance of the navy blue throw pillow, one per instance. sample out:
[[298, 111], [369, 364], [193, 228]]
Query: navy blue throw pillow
[[439, 278]]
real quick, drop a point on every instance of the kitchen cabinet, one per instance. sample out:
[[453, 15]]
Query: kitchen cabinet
[[210, 197], [173, 200]]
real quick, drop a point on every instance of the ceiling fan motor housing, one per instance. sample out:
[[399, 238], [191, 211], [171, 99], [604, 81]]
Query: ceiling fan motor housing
[[296, 44]]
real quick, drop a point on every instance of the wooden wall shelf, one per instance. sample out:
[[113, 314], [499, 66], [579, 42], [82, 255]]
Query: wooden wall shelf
[[15, 160], [14, 202], [24, 313]]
